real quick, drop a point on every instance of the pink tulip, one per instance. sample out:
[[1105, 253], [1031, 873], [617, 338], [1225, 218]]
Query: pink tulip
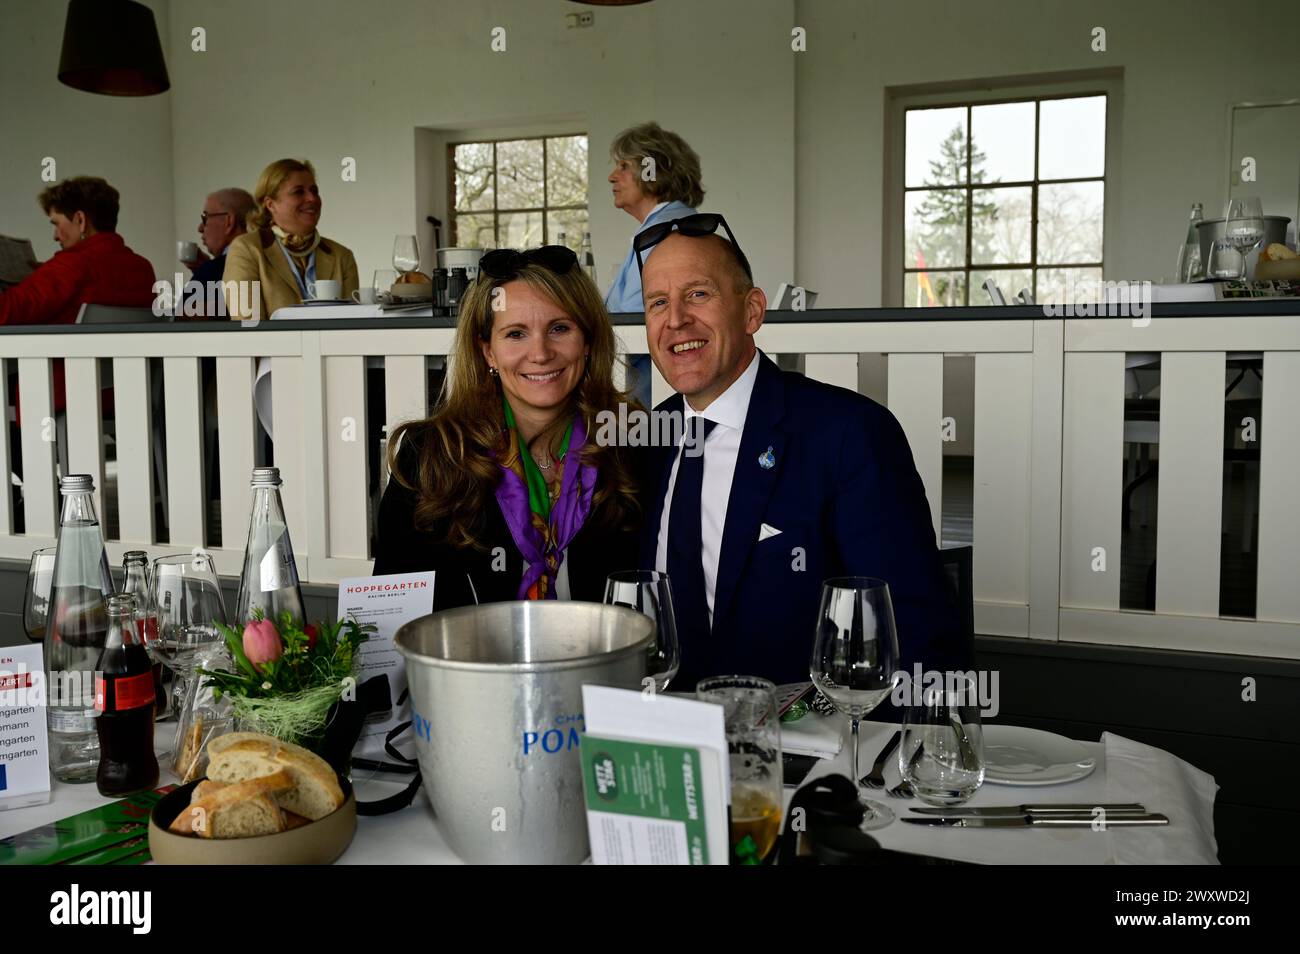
[[262, 642]]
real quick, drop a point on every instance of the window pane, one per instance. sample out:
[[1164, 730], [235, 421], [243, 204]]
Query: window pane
[[475, 231], [1002, 142], [1001, 224], [1070, 222], [519, 174], [572, 222], [566, 167], [1060, 286], [934, 289], [936, 146], [521, 229], [1072, 138], [1009, 281], [935, 229], [473, 176]]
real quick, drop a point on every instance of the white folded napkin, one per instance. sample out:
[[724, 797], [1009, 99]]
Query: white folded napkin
[[814, 734], [1166, 784]]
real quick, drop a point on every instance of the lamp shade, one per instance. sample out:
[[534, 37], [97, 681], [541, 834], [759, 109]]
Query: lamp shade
[[112, 47]]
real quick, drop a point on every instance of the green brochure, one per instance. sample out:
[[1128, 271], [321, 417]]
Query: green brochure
[[89, 834], [645, 802]]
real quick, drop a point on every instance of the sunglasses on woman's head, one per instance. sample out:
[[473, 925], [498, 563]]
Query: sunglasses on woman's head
[[692, 226], [503, 264]]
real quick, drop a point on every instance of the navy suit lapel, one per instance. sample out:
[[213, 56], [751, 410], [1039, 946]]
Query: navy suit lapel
[[752, 483], [658, 489]]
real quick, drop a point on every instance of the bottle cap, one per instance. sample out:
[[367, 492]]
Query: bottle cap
[[121, 604], [135, 556], [76, 484], [266, 477]]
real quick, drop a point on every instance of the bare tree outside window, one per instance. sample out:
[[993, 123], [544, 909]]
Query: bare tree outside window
[[518, 193]]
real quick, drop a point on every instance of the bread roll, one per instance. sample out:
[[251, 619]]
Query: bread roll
[[240, 756], [241, 810]]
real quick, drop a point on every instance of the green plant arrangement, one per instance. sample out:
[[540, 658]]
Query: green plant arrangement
[[288, 676]]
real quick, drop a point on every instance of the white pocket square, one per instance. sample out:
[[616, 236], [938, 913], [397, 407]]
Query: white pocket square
[[766, 531]]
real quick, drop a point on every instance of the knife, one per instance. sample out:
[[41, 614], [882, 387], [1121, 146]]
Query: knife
[[1130, 808], [1036, 821]]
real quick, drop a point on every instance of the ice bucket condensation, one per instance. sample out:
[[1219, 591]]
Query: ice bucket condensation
[[496, 705]]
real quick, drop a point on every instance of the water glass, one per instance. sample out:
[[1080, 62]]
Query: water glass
[[36, 601], [941, 754], [754, 745]]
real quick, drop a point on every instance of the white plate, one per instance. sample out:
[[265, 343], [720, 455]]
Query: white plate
[[1014, 755]]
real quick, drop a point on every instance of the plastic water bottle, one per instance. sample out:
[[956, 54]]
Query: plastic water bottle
[[76, 633]]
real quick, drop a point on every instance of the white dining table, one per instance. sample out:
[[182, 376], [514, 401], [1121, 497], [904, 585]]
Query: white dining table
[[1131, 773]]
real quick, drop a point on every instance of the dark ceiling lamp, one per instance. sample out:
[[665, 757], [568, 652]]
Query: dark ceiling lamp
[[112, 47]]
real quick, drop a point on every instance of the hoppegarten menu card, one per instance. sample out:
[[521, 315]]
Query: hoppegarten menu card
[[24, 744], [388, 602], [656, 776]]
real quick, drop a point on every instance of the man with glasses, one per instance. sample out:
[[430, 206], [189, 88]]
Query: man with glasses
[[798, 481], [220, 223]]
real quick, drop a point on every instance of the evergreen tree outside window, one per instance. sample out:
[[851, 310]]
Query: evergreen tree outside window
[[1011, 190]]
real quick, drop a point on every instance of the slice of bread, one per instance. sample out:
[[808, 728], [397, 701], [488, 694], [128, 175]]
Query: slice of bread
[[239, 756], [240, 810]]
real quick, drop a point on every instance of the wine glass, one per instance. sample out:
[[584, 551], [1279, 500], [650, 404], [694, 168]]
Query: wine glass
[[1243, 226], [855, 661], [649, 592], [187, 595], [36, 602], [406, 254], [754, 755]]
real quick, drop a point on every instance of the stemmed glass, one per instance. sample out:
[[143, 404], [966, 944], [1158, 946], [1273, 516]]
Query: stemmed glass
[[406, 254], [649, 592], [36, 602], [188, 598], [855, 661], [1243, 226]]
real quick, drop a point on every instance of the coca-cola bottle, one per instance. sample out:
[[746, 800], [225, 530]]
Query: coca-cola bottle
[[75, 633], [135, 568], [124, 705], [269, 581]]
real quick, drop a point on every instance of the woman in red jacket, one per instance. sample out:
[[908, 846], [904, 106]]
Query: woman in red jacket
[[94, 266]]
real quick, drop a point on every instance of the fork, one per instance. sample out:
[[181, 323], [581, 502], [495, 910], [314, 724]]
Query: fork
[[876, 777], [901, 790]]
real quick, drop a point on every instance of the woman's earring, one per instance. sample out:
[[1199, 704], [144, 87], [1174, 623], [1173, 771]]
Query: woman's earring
[[492, 371]]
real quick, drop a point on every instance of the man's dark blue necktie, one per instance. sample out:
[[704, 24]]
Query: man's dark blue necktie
[[685, 538]]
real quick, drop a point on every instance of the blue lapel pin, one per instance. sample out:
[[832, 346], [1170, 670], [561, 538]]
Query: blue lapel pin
[[767, 460]]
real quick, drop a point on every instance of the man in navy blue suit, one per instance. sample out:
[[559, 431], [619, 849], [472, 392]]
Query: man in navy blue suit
[[220, 223], [798, 481]]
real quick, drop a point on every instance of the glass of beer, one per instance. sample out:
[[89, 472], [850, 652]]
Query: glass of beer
[[754, 745]]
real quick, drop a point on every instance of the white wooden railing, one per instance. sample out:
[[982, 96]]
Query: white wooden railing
[[1048, 425]]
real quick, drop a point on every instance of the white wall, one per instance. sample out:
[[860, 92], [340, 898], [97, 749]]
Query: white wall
[[126, 140], [792, 143], [329, 79], [1184, 63]]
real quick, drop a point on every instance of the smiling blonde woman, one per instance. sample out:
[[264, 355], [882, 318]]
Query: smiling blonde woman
[[283, 249], [504, 491]]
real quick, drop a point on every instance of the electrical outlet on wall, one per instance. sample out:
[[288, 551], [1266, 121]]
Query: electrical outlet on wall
[[579, 20]]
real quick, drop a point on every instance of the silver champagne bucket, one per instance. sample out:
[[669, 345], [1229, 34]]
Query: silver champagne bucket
[[496, 705]]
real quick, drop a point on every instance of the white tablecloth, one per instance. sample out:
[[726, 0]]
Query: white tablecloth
[[1126, 771]]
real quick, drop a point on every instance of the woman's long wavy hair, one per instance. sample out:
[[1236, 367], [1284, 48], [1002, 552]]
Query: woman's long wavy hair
[[458, 449]]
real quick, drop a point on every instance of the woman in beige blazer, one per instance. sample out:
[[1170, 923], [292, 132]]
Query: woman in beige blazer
[[282, 249]]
